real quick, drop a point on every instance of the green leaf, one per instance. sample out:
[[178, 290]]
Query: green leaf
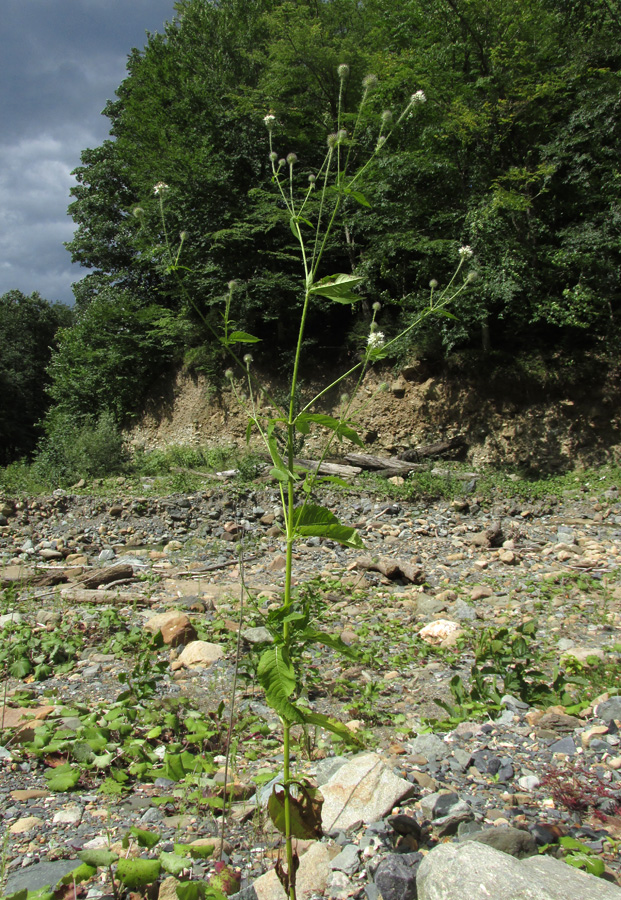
[[20, 668], [334, 726], [305, 811], [63, 778], [144, 838], [242, 337], [138, 873], [317, 521], [341, 429], [98, 858], [81, 873], [174, 864], [313, 636], [277, 677], [358, 197], [338, 288]]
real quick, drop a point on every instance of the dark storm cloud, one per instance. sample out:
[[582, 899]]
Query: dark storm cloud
[[60, 61]]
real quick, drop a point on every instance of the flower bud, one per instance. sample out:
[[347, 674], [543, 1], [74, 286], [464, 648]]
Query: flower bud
[[376, 306], [433, 284], [342, 135], [332, 141], [273, 156], [248, 358], [291, 158], [232, 285], [387, 117], [380, 141], [369, 82], [139, 212], [312, 179], [228, 374], [344, 399], [183, 235], [343, 71], [282, 162], [472, 277]]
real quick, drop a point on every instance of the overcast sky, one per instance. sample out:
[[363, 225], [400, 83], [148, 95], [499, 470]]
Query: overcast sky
[[60, 61]]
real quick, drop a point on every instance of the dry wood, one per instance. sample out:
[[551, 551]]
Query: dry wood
[[365, 461], [326, 468], [105, 576]]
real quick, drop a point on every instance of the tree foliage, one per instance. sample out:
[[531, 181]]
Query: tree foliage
[[28, 327], [516, 154]]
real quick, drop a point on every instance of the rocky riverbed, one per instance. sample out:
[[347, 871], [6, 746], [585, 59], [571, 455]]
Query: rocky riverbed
[[87, 582]]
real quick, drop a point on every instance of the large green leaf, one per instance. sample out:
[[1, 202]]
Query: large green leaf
[[98, 858], [147, 839], [138, 873], [173, 863], [341, 429], [304, 809], [338, 288], [62, 778], [313, 636], [242, 337], [334, 726], [277, 677], [317, 521]]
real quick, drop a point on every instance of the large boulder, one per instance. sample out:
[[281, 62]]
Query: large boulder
[[475, 871]]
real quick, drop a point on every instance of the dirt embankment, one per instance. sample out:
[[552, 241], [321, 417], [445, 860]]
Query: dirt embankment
[[507, 417]]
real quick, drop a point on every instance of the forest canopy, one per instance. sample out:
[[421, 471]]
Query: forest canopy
[[515, 153]]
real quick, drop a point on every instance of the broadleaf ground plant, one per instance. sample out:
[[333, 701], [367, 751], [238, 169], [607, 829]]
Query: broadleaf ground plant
[[314, 210]]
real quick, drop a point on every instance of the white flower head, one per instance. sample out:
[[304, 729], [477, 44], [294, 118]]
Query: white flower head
[[160, 188], [343, 70], [418, 97], [465, 252], [269, 121], [376, 340]]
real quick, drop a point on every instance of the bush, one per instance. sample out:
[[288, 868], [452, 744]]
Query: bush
[[74, 449]]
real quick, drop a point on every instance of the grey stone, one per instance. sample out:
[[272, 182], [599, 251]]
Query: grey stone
[[396, 876], [41, 874], [506, 839], [347, 861], [363, 790], [259, 635], [610, 709], [430, 746], [442, 803], [478, 872], [10, 619], [565, 745]]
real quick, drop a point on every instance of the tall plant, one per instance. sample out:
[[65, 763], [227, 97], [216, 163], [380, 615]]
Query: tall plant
[[313, 211]]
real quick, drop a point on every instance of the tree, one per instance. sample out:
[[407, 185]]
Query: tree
[[28, 328]]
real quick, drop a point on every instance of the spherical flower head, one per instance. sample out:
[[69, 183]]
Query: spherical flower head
[[269, 121], [232, 285], [472, 277], [273, 156], [291, 159], [369, 82], [183, 235], [376, 340], [312, 178], [342, 134], [376, 306], [343, 71], [248, 359], [418, 97], [282, 162], [344, 399], [465, 252], [433, 284], [139, 212], [333, 140], [228, 374], [386, 117], [160, 188], [380, 141]]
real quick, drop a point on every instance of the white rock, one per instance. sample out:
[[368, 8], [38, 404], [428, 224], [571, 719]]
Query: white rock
[[200, 654]]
